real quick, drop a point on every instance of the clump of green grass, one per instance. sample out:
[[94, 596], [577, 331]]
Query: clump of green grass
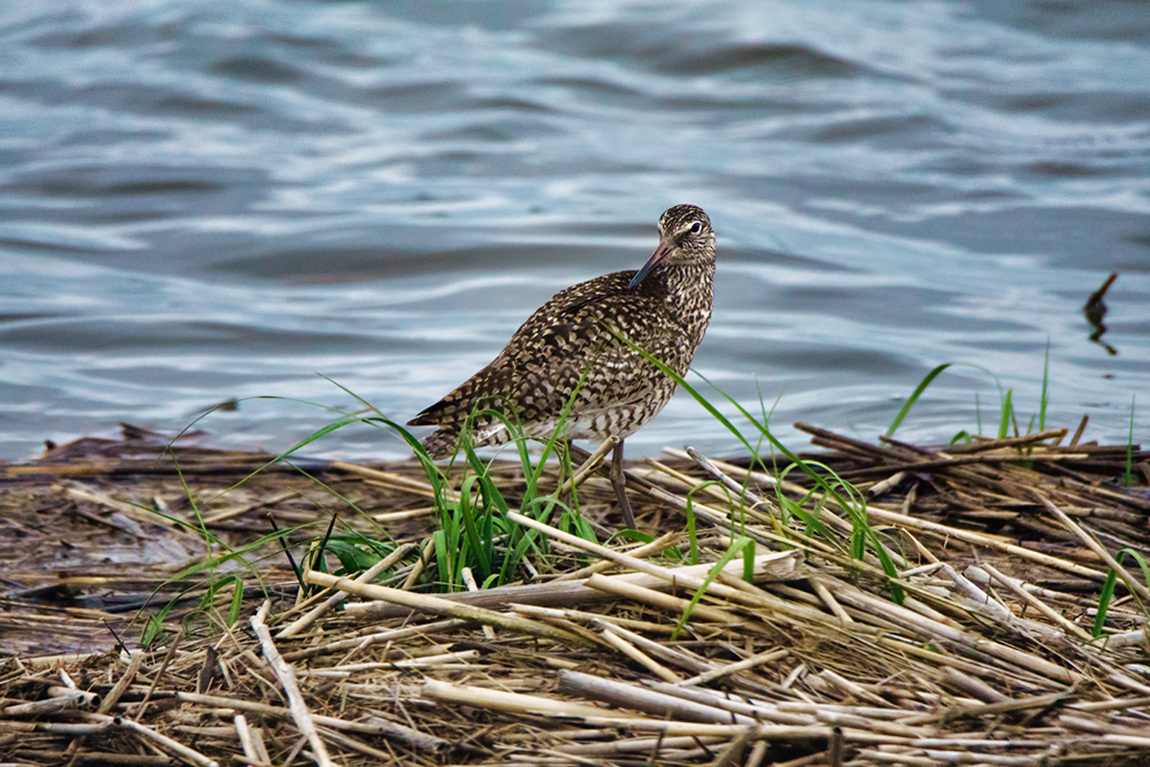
[[472, 531], [840, 493]]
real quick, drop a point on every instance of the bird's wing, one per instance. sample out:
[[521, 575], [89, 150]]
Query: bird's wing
[[581, 346], [569, 343]]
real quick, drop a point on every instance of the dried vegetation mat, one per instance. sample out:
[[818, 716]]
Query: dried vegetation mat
[[1009, 633]]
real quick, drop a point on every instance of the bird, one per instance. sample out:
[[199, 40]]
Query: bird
[[574, 352]]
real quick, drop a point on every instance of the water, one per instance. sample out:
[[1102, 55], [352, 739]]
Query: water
[[201, 201]]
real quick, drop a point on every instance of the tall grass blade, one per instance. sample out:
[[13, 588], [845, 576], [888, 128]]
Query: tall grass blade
[[1007, 415], [1107, 592], [1042, 403], [902, 413], [738, 546], [1105, 595]]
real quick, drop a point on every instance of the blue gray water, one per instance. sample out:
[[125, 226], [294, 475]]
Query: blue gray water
[[201, 201]]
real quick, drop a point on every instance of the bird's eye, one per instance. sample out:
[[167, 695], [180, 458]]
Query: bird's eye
[[696, 227]]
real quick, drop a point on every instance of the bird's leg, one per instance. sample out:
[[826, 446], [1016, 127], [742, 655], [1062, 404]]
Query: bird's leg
[[620, 484]]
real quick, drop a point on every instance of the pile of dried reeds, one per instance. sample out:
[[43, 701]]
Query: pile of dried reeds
[[983, 649]]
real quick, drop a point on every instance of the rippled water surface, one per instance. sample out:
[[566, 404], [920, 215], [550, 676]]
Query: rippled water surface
[[201, 201]]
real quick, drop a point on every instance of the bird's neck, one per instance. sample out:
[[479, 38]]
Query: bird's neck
[[688, 283], [688, 292]]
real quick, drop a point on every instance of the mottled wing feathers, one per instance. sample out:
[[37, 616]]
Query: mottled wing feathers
[[565, 339]]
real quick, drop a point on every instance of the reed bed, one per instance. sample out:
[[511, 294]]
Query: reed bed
[[1010, 632]]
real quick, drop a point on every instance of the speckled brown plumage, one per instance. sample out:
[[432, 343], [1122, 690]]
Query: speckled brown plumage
[[664, 308]]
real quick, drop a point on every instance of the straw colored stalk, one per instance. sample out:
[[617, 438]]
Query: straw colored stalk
[[286, 674], [533, 704], [562, 593], [373, 725], [443, 607], [162, 741], [252, 742]]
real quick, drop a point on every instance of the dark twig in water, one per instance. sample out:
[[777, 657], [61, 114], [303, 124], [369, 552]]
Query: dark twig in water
[[1095, 311]]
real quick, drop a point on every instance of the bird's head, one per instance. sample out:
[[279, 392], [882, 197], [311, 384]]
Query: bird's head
[[685, 237]]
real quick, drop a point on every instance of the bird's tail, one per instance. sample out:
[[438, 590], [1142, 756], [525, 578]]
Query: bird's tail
[[441, 443], [444, 441]]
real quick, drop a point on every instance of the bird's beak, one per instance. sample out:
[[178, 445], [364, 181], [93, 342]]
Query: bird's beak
[[660, 252]]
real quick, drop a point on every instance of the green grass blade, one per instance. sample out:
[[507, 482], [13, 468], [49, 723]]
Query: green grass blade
[[1007, 414], [1042, 403], [737, 547], [1104, 598], [237, 602], [902, 413], [1108, 586]]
